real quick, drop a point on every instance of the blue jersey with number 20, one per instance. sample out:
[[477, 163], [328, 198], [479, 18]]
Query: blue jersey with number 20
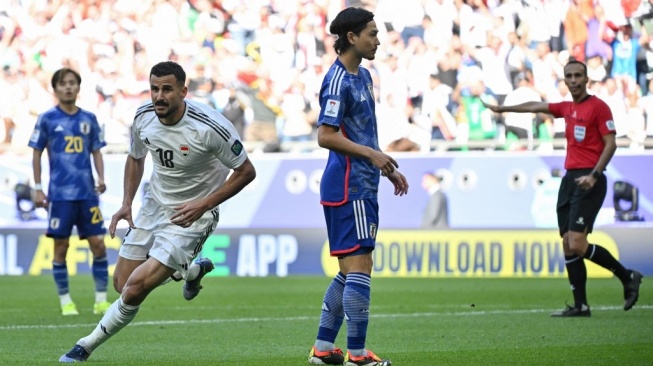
[[69, 140]]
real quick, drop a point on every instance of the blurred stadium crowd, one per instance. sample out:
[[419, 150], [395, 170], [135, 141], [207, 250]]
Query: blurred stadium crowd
[[261, 62]]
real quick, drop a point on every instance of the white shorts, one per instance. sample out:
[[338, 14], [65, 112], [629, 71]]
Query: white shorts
[[170, 244]]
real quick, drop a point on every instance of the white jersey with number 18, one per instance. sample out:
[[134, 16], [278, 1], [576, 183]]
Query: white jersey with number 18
[[191, 158]]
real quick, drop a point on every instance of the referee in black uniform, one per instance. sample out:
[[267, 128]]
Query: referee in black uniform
[[590, 134]]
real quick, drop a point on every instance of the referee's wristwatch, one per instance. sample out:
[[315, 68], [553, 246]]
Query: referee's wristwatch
[[596, 174]]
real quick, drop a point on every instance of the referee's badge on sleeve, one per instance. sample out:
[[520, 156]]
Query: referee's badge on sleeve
[[610, 125], [332, 107]]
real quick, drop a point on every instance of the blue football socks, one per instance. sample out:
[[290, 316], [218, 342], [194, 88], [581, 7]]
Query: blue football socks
[[356, 300], [332, 314], [100, 270], [60, 273]]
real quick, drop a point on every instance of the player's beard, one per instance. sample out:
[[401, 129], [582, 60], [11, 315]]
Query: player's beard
[[170, 112]]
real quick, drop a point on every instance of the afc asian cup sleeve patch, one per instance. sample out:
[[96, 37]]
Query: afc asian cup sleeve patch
[[35, 136], [610, 125], [237, 147], [331, 108]]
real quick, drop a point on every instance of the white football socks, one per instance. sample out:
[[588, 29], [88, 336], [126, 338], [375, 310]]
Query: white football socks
[[100, 297], [116, 318]]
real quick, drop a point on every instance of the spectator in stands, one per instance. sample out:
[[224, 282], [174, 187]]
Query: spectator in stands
[[561, 94], [599, 36], [265, 111], [234, 108], [420, 63], [646, 104], [595, 69], [613, 93], [555, 15], [533, 23], [393, 127], [516, 58], [521, 125], [449, 64], [436, 106], [248, 43], [546, 69], [492, 59], [575, 23], [298, 118], [475, 121], [626, 47], [635, 124]]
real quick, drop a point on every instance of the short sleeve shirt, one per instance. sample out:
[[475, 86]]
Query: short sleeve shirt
[[192, 158], [347, 103], [585, 125]]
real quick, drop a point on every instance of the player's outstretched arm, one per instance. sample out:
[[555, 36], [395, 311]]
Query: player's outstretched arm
[[532, 107]]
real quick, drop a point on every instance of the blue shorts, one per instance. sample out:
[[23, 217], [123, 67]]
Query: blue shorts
[[86, 215], [352, 227]]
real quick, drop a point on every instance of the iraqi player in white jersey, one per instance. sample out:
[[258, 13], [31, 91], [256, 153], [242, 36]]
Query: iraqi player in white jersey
[[194, 149], [192, 157]]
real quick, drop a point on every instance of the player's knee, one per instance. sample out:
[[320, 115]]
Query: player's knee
[[565, 244], [118, 284], [61, 245], [60, 249], [97, 246], [133, 293], [577, 244]]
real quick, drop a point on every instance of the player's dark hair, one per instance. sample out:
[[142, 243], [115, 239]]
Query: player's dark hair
[[61, 73], [349, 20], [169, 68], [573, 61]]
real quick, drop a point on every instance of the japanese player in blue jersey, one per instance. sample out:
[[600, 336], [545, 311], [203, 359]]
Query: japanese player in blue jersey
[[348, 190], [72, 136]]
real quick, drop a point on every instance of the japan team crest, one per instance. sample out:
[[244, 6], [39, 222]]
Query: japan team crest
[[54, 223], [85, 128], [373, 231], [184, 149]]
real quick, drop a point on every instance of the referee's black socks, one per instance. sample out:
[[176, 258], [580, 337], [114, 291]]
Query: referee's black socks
[[577, 274], [603, 258]]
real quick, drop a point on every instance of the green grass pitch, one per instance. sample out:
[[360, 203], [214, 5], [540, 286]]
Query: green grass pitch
[[273, 321]]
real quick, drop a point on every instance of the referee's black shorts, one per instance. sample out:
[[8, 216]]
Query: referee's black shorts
[[577, 208]]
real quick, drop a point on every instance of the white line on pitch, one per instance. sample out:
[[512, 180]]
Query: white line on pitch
[[301, 318]]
